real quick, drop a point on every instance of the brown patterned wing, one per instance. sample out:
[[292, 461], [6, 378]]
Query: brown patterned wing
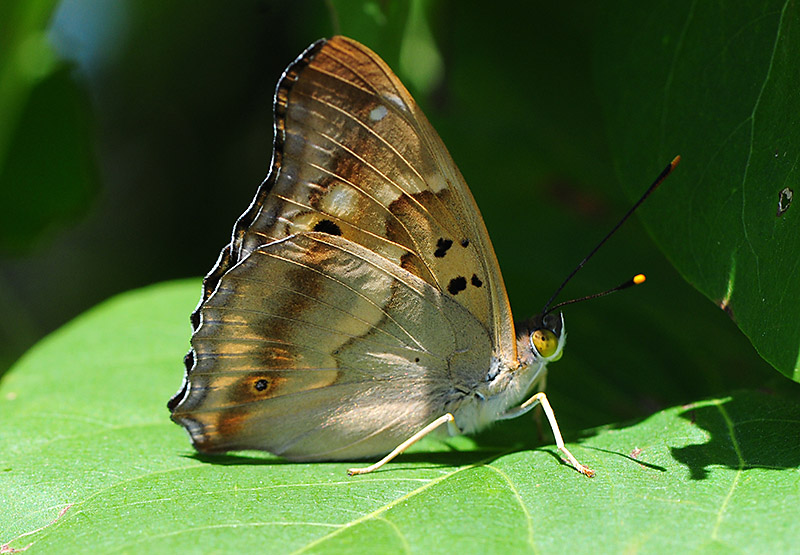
[[355, 156], [361, 268], [314, 347]]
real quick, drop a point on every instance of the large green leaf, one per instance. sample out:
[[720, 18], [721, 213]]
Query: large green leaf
[[84, 429], [717, 83], [84, 434]]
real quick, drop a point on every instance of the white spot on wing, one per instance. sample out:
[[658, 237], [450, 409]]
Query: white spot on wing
[[378, 113], [340, 200], [394, 99]]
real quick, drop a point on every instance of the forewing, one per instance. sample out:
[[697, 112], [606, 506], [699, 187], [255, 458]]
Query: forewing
[[314, 347], [355, 156]]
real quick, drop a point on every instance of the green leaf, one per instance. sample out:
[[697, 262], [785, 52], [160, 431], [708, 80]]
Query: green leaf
[[717, 84], [84, 431]]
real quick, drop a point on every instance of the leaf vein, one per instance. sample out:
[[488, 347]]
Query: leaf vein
[[380, 511], [732, 434], [752, 140], [518, 497]]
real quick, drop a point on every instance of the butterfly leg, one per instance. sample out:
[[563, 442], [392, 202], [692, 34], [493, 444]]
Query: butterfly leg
[[445, 419], [537, 410], [541, 399]]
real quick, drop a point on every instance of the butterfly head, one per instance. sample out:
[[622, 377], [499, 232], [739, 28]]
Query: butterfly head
[[543, 337]]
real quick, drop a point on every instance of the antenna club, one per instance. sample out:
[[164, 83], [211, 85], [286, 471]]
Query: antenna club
[[675, 162], [639, 279]]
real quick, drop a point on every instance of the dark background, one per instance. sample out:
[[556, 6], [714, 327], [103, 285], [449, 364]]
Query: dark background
[[131, 148]]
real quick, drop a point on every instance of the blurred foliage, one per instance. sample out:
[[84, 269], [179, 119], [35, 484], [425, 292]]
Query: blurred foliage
[[181, 120]]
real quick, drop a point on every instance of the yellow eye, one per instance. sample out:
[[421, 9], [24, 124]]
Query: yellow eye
[[545, 342]]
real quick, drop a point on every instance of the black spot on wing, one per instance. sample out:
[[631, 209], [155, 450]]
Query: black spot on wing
[[457, 285], [442, 246], [465, 243], [327, 226], [261, 384], [476, 281]]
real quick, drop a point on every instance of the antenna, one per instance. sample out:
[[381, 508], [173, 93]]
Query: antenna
[[640, 277]]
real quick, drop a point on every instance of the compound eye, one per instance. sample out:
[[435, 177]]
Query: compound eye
[[545, 342]]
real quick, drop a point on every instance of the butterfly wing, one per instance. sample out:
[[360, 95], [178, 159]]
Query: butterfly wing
[[314, 347], [356, 160], [355, 155]]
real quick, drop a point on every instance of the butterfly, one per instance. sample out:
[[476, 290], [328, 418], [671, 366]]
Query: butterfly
[[359, 305]]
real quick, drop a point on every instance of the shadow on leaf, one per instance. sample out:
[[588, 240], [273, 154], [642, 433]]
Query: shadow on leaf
[[230, 459], [749, 430], [421, 460]]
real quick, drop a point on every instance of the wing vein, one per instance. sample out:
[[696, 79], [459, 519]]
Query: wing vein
[[334, 307], [358, 293], [388, 179], [304, 323], [299, 204], [375, 91]]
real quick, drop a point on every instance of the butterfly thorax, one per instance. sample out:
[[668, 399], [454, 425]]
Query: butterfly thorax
[[509, 383]]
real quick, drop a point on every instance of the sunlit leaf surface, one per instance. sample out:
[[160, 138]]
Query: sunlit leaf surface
[[85, 433]]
